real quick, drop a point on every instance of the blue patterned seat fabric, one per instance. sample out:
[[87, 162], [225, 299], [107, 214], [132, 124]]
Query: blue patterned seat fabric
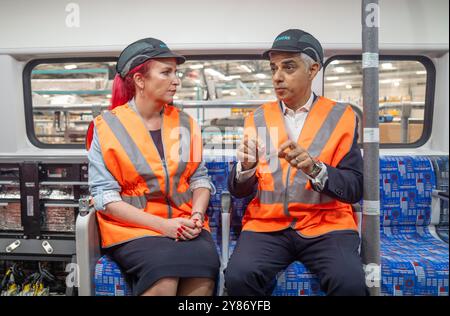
[[440, 165], [414, 259], [109, 279]]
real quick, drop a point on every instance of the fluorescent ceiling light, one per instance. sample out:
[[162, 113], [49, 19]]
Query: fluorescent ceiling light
[[337, 84], [233, 93], [268, 91], [72, 66], [196, 66], [332, 78], [260, 76], [387, 66], [245, 68], [215, 73], [339, 69], [349, 86], [391, 80], [335, 62], [421, 72], [229, 78]]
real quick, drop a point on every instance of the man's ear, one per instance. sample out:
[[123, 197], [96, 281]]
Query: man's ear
[[315, 68]]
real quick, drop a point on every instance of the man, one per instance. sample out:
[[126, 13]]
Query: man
[[300, 155]]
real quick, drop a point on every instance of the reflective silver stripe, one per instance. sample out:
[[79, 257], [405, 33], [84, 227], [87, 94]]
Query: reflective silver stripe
[[180, 198], [136, 201], [277, 196], [271, 197], [326, 129], [184, 155], [299, 194], [185, 143], [271, 157], [139, 162]]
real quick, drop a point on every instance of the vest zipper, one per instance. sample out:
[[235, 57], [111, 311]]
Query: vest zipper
[[286, 192], [166, 172], [167, 188]]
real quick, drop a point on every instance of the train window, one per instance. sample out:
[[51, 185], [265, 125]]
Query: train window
[[220, 92], [63, 96], [406, 88]]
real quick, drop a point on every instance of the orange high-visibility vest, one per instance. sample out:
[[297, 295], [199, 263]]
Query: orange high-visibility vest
[[285, 197], [159, 187]]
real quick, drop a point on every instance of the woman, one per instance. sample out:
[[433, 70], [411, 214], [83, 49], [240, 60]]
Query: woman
[[148, 181]]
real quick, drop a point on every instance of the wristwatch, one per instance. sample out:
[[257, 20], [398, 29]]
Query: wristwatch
[[317, 167], [319, 178]]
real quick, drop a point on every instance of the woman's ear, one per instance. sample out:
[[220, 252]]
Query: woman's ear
[[138, 79]]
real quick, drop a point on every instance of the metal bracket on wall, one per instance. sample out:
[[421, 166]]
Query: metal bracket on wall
[[11, 247], [47, 247]]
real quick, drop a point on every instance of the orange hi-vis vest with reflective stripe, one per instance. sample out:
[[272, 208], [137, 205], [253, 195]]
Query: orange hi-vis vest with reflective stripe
[[159, 187], [285, 197]]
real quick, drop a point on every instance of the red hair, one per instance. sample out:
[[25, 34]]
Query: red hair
[[123, 90]]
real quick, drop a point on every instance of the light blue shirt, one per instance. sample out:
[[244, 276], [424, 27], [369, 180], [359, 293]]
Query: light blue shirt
[[105, 189]]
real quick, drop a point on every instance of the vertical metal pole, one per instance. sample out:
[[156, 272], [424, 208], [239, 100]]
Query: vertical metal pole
[[406, 113], [370, 247]]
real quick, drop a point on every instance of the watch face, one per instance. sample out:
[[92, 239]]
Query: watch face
[[316, 169]]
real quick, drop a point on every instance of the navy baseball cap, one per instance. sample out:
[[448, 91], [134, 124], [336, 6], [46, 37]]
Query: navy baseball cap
[[140, 51], [297, 41]]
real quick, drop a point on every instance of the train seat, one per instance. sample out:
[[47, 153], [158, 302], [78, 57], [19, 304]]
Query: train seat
[[414, 260], [407, 222]]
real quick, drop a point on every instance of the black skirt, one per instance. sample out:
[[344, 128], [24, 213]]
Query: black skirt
[[149, 259]]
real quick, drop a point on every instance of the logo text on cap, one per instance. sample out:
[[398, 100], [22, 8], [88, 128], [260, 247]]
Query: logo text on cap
[[283, 38]]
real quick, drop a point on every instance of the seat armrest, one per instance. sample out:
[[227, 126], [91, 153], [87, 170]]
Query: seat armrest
[[226, 220], [436, 197], [88, 248]]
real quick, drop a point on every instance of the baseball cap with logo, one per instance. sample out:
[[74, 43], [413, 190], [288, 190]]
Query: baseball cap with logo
[[140, 51], [299, 41]]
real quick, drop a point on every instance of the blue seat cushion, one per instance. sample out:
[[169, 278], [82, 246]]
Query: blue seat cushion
[[109, 279], [296, 280], [406, 185], [413, 262]]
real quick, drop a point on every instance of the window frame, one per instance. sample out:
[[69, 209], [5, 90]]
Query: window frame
[[28, 102], [425, 61], [430, 87]]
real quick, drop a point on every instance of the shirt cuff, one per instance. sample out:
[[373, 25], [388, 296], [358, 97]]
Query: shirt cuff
[[104, 198], [242, 176]]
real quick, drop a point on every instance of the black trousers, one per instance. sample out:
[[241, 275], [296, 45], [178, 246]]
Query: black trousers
[[258, 257]]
